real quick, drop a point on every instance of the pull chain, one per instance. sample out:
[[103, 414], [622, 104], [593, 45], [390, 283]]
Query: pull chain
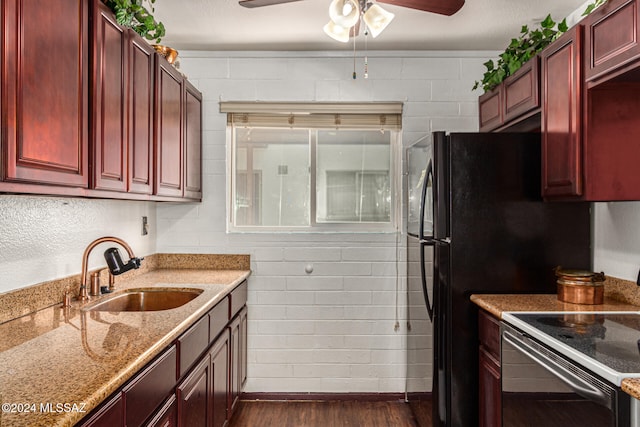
[[366, 60], [354, 54]]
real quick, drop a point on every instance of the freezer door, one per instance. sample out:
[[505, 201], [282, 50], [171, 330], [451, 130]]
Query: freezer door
[[419, 189], [441, 187]]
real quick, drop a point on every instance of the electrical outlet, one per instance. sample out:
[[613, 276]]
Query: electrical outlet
[[145, 226]]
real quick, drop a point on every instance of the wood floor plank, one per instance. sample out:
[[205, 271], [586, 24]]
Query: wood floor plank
[[322, 414]]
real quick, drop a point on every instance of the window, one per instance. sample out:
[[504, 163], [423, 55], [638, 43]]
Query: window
[[313, 169]]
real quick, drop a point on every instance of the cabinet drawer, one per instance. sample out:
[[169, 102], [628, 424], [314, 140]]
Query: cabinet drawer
[[110, 414], [238, 299], [147, 392], [218, 318], [489, 333], [192, 344]]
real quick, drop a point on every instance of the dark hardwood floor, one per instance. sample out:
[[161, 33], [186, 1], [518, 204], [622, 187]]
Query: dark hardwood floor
[[323, 414]]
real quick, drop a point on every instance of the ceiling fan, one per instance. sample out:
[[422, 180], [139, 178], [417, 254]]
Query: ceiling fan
[[442, 7], [346, 15]]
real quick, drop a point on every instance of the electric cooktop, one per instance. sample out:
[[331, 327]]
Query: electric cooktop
[[607, 343]]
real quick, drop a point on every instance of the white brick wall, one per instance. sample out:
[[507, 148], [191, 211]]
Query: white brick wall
[[331, 330]]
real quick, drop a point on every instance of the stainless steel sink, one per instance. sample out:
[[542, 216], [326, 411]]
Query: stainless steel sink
[[151, 299]]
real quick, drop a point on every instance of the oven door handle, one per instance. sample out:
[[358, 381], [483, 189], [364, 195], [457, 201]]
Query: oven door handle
[[577, 384]]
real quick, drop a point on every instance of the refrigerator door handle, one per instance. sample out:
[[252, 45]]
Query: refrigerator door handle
[[428, 175], [423, 276]]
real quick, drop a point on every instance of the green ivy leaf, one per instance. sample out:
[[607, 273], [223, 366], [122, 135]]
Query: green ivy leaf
[[562, 26], [548, 22]]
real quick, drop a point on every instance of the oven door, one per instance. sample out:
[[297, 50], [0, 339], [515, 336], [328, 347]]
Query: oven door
[[542, 388]]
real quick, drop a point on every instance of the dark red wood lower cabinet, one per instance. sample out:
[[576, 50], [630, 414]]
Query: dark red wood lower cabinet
[[194, 396], [220, 381], [203, 395], [167, 416], [109, 415], [490, 378]]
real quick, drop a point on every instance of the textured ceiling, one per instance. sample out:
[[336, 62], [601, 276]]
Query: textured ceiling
[[224, 25]]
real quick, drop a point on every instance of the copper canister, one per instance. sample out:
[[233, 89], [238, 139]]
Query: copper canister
[[580, 287]]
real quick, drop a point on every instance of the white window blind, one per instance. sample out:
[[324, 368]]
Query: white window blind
[[383, 116]]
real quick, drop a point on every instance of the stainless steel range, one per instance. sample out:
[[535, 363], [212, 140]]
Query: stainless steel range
[[590, 353]]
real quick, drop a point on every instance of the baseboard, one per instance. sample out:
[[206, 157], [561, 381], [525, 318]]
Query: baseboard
[[367, 397]]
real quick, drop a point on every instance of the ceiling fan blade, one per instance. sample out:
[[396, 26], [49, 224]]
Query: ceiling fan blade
[[260, 3], [442, 7]]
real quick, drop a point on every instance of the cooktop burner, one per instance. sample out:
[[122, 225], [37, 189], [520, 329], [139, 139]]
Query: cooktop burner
[[609, 339]]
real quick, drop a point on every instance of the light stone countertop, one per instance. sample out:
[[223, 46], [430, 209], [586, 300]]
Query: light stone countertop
[[498, 304], [71, 356]]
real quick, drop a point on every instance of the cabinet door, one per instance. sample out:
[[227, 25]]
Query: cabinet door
[[243, 347], [562, 116], [491, 110], [168, 132], [220, 380], [489, 379], [141, 104], [193, 142], [166, 416], [236, 357], [490, 390], [109, 118], [522, 90], [194, 406], [45, 88], [612, 39]]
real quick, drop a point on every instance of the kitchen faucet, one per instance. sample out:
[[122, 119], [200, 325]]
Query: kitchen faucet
[[113, 259]]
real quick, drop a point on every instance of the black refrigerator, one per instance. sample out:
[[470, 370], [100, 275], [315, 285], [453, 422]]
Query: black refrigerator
[[476, 223]]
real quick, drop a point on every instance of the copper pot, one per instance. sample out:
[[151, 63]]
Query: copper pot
[[167, 52], [580, 287]]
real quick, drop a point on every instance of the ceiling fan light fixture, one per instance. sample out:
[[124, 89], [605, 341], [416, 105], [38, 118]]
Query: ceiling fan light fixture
[[377, 19], [337, 32], [344, 13]]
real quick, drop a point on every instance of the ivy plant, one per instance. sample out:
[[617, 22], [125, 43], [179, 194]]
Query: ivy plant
[[593, 6], [138, 15], [525, 47], [519, 51]]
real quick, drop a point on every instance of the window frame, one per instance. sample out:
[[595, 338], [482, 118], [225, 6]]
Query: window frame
[[395, 168]]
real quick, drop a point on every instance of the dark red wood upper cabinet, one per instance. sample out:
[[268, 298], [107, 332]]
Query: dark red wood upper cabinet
[[522, 90], [562, 116], [109, 88], [491, 109], [168, 131], [612, 40], [512, 102], [45, 90], [192, 142], [141, 105]]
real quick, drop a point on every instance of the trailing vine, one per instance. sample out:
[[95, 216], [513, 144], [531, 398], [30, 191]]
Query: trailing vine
[[519, 51], [525, 47]]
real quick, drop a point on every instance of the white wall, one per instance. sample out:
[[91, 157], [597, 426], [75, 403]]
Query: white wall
[[43, 238], [617, 239], [331, 330]]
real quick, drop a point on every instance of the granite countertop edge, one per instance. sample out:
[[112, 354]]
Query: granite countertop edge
[[216, 284], [497, 304]]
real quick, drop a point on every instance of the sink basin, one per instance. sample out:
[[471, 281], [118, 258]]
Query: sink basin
[[154, 299]]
